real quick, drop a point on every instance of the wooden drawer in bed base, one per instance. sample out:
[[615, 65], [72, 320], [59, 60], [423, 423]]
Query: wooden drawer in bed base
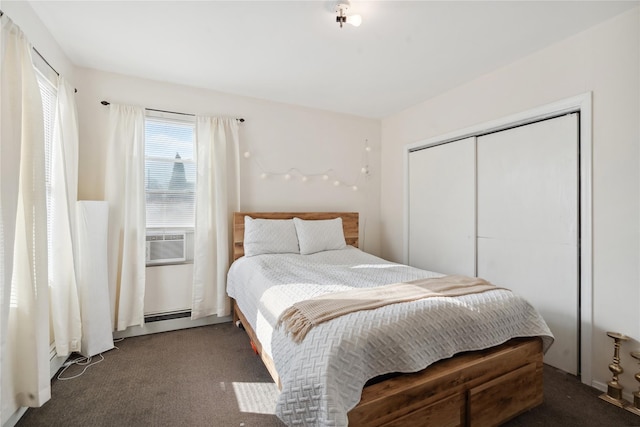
[[448, 412], [481, 388]]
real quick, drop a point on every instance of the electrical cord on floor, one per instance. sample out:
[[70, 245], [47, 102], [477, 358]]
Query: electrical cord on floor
[[82, 361]]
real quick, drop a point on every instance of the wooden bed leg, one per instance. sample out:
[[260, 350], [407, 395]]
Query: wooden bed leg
[[234, 313], [236, 318], [257, 347]]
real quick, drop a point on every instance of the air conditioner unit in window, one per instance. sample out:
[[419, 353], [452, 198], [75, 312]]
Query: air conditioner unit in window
[[166, 248]]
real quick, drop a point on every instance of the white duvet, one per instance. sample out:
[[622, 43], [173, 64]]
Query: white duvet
[[322, 377]]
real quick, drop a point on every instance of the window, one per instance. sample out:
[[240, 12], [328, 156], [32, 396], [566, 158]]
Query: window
[[170, 184], [49, 95]]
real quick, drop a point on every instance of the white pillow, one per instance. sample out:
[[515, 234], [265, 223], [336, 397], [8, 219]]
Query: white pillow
[[319, 235], [269, 236]]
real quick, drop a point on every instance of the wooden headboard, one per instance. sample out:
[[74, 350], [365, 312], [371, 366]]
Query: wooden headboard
[[349, 224]]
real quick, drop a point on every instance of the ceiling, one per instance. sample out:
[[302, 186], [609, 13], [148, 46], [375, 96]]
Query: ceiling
[[294, 51]]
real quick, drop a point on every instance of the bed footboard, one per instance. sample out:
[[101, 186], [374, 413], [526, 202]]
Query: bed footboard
[[480, 388]]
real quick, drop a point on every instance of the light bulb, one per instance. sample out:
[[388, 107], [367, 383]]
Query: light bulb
[[354, 20], [247, 154], [368, 148], [263, 175], [354, 188], [364, 170], [325, 177], [336, 183], [287, 177], [305, 178]]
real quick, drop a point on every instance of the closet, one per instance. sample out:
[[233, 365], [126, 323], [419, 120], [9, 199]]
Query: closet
[[442, 208], [505, 206]]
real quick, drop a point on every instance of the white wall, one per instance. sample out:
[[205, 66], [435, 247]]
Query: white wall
[[278, 136], [605, 60], [23, 15]]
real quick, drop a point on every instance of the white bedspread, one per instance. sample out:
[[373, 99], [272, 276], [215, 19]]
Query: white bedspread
[[322, 377]]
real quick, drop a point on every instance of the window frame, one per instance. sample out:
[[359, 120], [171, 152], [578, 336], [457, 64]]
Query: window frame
[[152, 232]]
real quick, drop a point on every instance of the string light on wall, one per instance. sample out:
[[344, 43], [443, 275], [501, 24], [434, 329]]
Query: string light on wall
[[293, 174]]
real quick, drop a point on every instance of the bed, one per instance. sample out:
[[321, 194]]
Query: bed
[[441, 385]]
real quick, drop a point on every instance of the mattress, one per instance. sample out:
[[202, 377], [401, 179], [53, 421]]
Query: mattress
[[322, 377]]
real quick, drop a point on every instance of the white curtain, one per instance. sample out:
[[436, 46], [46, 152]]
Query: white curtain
[[217, 197], [124, 190], [24, 322], [65, 308]]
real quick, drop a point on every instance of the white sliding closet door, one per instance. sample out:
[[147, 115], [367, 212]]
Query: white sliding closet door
[[442, 208], [527, 190]]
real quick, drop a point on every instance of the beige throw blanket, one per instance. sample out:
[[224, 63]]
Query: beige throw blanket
[[302, 316]]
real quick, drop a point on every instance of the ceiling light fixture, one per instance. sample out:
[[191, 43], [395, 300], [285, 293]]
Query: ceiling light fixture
[[342, 18]]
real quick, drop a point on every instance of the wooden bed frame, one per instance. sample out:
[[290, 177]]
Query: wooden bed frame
[[479, 388]]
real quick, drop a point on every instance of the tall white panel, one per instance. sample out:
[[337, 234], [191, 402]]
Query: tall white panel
[[91, 267], [527, 189], [442, 208]]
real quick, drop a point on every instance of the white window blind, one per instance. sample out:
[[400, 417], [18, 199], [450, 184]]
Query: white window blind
[[49, 95], [170, 173]]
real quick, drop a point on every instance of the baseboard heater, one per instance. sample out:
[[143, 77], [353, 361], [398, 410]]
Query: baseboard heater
[[167, 316]]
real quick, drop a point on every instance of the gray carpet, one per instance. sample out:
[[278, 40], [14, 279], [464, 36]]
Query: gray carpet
[[209, 376]]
